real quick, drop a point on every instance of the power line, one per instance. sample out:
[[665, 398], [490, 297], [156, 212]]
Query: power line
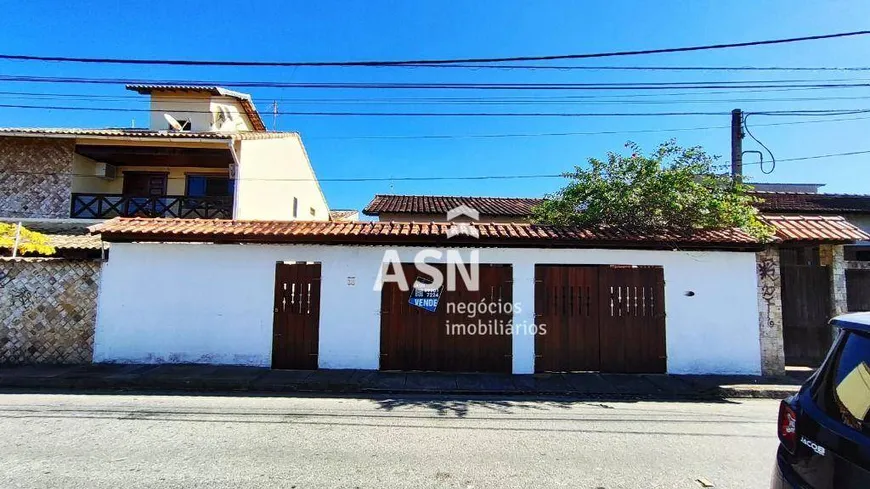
[[815, 113], [580, 133], [528, 100], [431, 178], [532, 99], [341, 179], [421, 62], [590, 133], [691, 85], [567, 98], [646, 68], [817, 157], [801, 158], [386, 114]]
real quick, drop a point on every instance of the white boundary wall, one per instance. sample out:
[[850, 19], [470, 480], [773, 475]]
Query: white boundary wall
[[206, 303]]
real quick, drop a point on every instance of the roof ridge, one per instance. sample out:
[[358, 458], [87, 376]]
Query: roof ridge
[[821, 194], [458, 196], [137, 132], [403, 233]]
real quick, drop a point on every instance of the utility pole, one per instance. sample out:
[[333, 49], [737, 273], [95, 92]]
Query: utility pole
[[737, 144], [275, 115]]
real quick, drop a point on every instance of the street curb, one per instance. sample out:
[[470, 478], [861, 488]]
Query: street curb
[[775, 393], [252, 387]]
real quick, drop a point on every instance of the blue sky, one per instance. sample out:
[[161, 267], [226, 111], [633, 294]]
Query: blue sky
[[338, 30]]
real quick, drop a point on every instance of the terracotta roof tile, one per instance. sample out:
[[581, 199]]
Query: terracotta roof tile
[[140, 133], [815, 228], [783, 202], [807, 202], [440, 204], [402, 233]]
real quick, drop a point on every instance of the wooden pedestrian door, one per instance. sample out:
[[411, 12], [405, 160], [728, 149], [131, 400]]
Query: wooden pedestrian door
[[600, 318], [144, 184], [297, 316], [448, 339], [806, 309]]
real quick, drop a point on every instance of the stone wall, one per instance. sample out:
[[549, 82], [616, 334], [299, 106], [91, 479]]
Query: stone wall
[[770, 312], [35, 177], [47, 310], [831, 256]]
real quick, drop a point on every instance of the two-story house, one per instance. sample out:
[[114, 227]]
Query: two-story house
[[206, 154]]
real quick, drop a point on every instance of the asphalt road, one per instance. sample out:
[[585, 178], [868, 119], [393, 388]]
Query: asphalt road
[[111, 441]]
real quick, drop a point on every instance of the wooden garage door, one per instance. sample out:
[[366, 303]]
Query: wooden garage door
[[297, 316], [413, 338], [602, 317], [566, 302], [632, 330]]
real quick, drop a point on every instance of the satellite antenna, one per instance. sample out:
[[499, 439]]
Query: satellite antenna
[[224, 120], [173, 123]]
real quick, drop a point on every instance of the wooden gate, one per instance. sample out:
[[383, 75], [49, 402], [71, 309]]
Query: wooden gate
[[413, 338], [600, 317], [858, 290], [632, 319], [567, 303], [297, 316], [806, 306]]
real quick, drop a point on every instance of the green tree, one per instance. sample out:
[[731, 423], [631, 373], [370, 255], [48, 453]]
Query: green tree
[[29, 242], [673, 189]]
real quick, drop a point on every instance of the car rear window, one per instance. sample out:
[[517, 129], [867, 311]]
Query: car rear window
[[844, 388]]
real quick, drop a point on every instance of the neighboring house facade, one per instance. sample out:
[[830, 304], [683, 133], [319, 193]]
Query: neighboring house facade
[[205, 154], [855, 208], [427, 208], [221, 164]]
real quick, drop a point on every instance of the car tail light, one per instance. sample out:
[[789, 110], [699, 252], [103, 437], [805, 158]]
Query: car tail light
[[787, 426]]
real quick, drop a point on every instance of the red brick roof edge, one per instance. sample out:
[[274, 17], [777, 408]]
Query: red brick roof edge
[[770, 202], [408, 233], [441, 204], [817, 229]]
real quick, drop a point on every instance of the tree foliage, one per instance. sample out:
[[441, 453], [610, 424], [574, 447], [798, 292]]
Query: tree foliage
[[29, 242], [673, 189]]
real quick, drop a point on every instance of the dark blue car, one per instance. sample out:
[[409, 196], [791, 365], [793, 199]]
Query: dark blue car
[[824, 430]]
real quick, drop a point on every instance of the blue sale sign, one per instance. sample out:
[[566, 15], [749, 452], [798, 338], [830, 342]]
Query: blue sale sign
[[424, 296]]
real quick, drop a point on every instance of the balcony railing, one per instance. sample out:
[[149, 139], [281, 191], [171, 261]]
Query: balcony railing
[[105, 206]]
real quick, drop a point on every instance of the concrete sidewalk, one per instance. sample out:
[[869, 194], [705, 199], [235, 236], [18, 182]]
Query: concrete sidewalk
[[209, 378]]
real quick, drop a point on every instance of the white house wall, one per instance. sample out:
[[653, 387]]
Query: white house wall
[[207, 303], [199, 109], [195, 109], [84, 180], [271, 173]]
